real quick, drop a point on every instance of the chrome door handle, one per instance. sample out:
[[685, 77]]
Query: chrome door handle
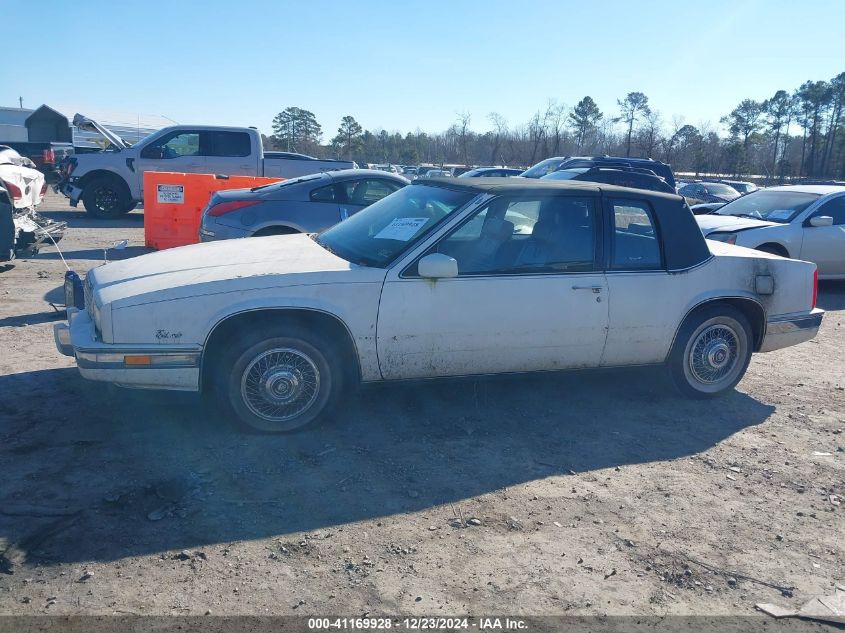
[[595, 289]]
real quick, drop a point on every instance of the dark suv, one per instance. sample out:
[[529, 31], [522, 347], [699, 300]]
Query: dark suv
[[619, 176], [576, 162]]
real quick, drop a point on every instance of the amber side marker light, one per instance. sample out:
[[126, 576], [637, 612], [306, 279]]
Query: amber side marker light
[[137, 360]]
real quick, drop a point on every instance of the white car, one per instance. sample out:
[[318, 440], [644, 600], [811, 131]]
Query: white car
[[436, 280], [799, 221]]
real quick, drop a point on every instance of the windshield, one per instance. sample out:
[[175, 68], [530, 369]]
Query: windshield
[[718, 189], [773, 206], [542, 168], [564, 174], [379, 233]]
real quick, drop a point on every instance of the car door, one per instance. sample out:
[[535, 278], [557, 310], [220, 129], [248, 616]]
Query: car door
[[359, 193], [646, 299], [231, 153], [528, 296], [825, 245], [324, 211], [177, 151]]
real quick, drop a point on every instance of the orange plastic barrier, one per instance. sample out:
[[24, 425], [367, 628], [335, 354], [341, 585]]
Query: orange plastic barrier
[[173, 204]]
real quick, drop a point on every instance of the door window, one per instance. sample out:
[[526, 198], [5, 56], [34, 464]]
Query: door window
[[232, 144], [174, 145], [634, 242], [542, 235], [834, 208], [367, 190]]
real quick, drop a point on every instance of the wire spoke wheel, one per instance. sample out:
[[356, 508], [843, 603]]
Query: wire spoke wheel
[[716, 354], [280, 384]]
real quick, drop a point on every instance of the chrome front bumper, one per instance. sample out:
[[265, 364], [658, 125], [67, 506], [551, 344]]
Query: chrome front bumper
[[139, 366], [791, 329]]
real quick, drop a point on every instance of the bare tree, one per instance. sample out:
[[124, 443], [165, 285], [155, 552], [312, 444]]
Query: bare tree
[[632, 107]]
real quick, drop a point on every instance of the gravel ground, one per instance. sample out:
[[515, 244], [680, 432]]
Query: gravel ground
[[588, 493]]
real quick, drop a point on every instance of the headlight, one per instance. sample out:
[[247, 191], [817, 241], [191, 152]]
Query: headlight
[[729, 238]]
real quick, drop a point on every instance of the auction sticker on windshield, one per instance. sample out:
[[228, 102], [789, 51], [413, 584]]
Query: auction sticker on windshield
[[781, 214], [401, 229], [171, 194]]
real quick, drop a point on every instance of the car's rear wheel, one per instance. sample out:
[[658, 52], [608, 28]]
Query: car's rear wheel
[[711, 352], [106, 197], [278, 379]]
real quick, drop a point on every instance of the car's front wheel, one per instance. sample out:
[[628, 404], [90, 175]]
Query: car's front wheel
[[107, 197], [711, 352], [278, 379]]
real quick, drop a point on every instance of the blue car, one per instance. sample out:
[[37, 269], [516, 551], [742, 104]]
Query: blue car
[[491, 172], [308, 204]]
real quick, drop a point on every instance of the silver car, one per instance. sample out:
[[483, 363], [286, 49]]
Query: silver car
[[308, 204], [798, 221]]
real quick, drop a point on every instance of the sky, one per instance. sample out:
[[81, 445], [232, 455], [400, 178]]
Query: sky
[[403, 66]]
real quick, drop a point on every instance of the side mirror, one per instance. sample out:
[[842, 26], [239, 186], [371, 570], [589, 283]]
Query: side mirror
[[437, 266], [821, 220]]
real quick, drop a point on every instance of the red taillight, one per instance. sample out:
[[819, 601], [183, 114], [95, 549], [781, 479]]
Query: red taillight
[[49, 156], [815, 286], [14, 191], [227, 207], [43, 189]]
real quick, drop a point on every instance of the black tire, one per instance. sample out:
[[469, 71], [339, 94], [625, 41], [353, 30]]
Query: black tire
[[263, 378], [774, 249], [711, 352], [107, 197]]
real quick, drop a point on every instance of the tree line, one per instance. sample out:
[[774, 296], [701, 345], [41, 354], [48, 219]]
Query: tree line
[[797, 134]]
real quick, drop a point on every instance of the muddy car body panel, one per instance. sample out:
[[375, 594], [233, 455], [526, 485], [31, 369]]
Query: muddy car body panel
[[621, 296]]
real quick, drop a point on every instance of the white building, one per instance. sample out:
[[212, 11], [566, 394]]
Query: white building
[[130, 126]]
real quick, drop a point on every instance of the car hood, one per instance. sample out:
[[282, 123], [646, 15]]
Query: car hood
[[222, 266], [722, 223], [82, 122]]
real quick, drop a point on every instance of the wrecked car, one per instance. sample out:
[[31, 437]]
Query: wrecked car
[[22, 187], [445, 277]]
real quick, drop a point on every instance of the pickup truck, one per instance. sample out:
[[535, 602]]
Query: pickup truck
[[110, 182]]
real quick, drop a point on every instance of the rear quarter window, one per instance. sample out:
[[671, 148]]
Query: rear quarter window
[[635, 244]]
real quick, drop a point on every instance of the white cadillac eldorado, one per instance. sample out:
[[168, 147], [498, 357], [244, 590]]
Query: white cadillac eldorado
[[442, 278]]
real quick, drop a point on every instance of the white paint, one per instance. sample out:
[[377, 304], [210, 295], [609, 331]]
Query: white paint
[[413, 327]]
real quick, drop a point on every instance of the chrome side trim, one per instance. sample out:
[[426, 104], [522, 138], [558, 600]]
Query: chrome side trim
[[114, 359]]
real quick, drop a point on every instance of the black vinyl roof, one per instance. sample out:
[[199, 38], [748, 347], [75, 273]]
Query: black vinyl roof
[[683, 243]]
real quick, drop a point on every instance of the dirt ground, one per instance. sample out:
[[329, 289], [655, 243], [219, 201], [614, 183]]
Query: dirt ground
[[588, 493]]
